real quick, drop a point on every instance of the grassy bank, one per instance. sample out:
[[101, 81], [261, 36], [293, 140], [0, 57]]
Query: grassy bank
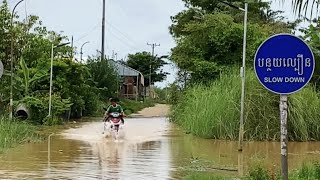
[[213, 111], [13, 133], [309, 171], [205, 176]]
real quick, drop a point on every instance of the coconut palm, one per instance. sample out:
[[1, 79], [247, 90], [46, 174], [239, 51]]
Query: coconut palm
[[302, 6]]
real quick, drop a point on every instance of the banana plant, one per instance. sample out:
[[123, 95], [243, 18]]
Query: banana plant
[[26, 76], [24, 82]]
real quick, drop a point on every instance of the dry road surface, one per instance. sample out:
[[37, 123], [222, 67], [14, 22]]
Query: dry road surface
[[159, 110]]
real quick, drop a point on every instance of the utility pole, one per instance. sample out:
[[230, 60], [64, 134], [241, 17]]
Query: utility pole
[[153, 47], [242, 70], [71, 48], [11, 61], [103, 28], [81, 53]]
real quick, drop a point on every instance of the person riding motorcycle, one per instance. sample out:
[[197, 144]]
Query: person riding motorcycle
[[114, 107]]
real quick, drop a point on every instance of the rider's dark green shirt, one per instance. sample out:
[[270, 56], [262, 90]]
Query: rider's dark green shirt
[[117, 108]]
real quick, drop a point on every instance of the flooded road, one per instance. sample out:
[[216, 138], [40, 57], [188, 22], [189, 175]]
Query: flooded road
[[152, 149]]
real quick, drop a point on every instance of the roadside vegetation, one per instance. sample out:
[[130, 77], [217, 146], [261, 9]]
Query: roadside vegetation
[[205, 176], [206, 94], [212, 111], [307, 171], [205, 97], [13, 133]]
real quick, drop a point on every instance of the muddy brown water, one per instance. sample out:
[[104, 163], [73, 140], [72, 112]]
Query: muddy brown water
[[152, 149]]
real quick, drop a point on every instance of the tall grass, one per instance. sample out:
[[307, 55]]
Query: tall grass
[[214, 111], [310, 171], [14, 132]]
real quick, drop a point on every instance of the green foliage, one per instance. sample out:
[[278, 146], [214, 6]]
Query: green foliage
[[174, 94], [162, 93], [51, 121], [38, 107], [258, 11], [205, 176], [215, 43], [312, 36], [141, 61], [26, 75], [213, 111], [310, 171], [13, 133], [209, 35], [258, 173], [103, 77]]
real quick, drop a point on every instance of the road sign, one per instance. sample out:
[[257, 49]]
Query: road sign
[[1, 69], [284, 64]]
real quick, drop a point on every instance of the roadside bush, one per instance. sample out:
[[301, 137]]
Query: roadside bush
[[38, 107]]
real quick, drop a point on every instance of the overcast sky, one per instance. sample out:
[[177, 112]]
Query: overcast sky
[[130, 23]]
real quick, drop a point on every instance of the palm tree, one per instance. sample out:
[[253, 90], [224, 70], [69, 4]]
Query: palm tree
[[302, 6]]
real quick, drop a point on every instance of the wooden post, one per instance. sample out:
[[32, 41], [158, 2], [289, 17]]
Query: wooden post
[[137, 89], [240, 164], [284, 136]]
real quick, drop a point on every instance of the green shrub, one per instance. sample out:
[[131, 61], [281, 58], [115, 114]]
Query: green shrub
[[38, 107], [258, 173]]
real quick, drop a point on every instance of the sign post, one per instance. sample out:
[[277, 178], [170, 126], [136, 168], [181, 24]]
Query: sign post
[[284, 136], [284, 64], [1, 69]]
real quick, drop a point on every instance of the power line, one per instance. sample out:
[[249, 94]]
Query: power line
[[25, 9], [88, 33], [154, 45], [124, 42], [122, 33]]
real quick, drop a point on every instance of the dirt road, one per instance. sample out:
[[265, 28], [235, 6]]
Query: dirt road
[[159, 110]]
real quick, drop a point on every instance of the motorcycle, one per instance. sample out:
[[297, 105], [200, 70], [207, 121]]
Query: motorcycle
[[115, 125]]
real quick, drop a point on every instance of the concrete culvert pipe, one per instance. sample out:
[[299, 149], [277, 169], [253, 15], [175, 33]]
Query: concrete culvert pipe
[[22, 112]]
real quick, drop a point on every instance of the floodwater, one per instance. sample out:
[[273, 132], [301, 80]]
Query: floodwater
[[151, 149]]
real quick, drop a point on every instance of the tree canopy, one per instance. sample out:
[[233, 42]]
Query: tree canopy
[[209, 35], [141, 61]]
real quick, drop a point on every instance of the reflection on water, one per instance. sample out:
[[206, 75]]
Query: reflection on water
[[152, 149]]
